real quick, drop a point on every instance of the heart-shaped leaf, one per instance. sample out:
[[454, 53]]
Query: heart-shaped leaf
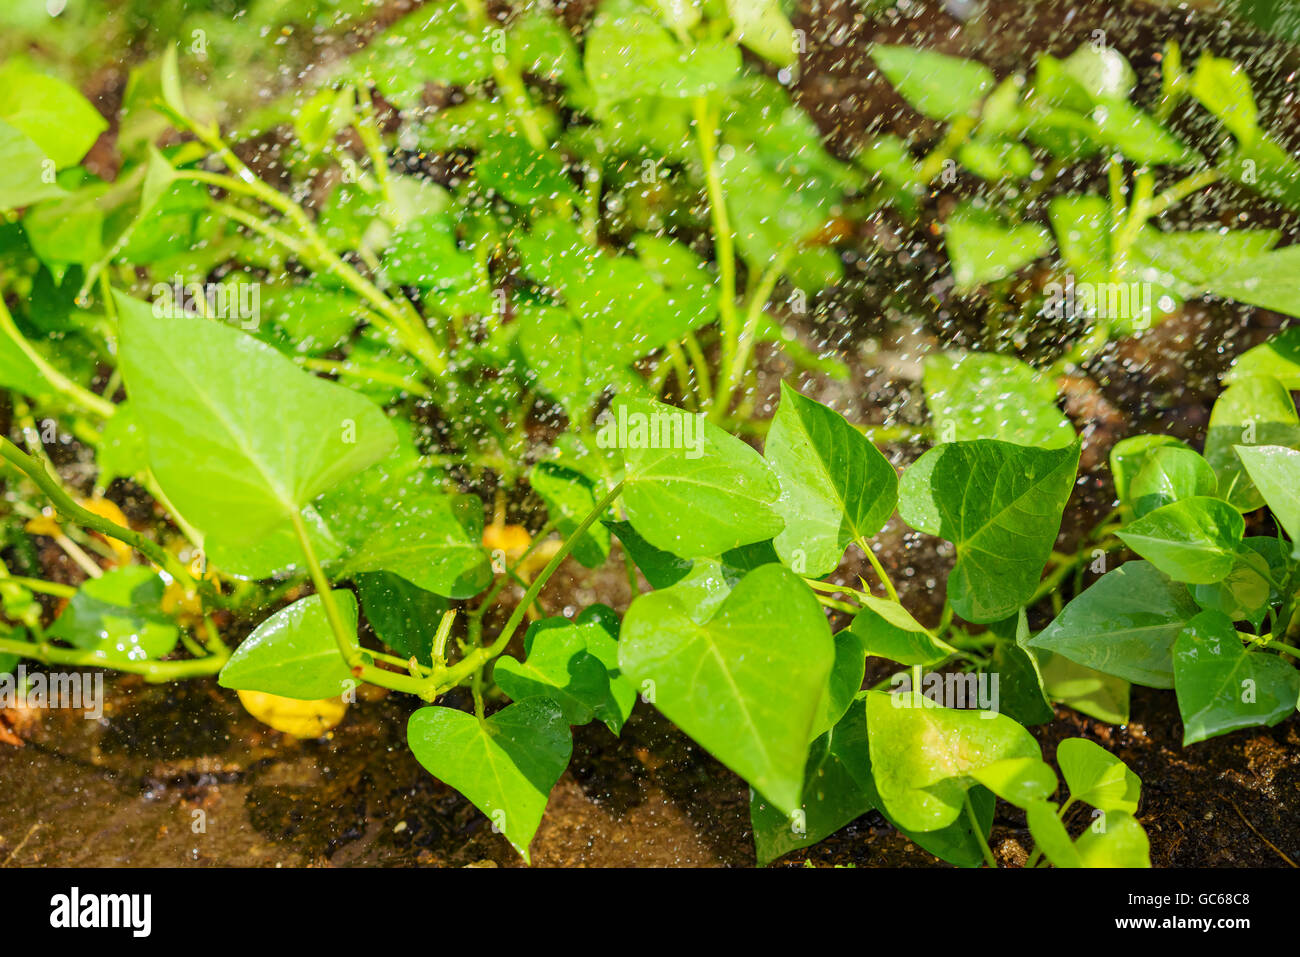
[[923, 756], [1275, 470], [435, 542], [1170, 474], [1000, 505], [294, 653], [119, 616], [980, 395], [505, 764], [557, 665], [691, 489], [236, 429], [1194, 540], [888, 630], [747, 684], [1124, 625], [1097, 777], [1222, 686], [1253, 410], [836, 487]]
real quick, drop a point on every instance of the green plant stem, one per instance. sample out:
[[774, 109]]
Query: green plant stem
[[347, 643], [61, 383], [417, 337], [458, 672], [1181, 190], [153, 671], [723, 238], [63, 502], [509, 81], [733, 372], [879, 569], [39, 585], [957, 134], [979, 833]]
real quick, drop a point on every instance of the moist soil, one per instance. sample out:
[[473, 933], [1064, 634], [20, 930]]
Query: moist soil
[[181, 775]]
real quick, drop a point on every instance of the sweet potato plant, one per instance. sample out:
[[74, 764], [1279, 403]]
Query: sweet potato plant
[[318, 362]]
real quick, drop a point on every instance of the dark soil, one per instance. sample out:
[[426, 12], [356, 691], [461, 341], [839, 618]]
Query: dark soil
[[128, 790]]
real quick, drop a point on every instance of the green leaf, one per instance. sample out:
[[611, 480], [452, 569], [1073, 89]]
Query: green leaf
[[1270, 280], [235, 429], [1242, 594], [888, 630], [316, 121], [1097, 777], [294, 653], [599, 627], [1169, 475], [1223, 87], [763, 27], [1193, 540], [118, 615], [423, 252], [845, 681], [691, 489], [1050, 835], [981, 395], [629, 54], [505, 764], [1278, 358], [54, 115], [938, 86], [984, 249], [924, 757], [24, 176], [1084, 689], [1124, 625], [836, 487], [435, 542], [433, 44], [996, 159], [570, 497], [512, 167], [1222, 687], [404, 617], [1120, 843], [1252, 411], [1101, 73], [558, 666], [68, 229], [747, 684], [1021, 693], [1019, 781], [838, 788], [1128, 456], [1275, 472], [1000, 505]]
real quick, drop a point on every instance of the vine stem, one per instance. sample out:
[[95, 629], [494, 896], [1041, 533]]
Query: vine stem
[[979, 833], [347, 643], [723, 238], [735, 370], [879, 569], [84, 397], [63, 502], [480, 656], [153, 671]]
